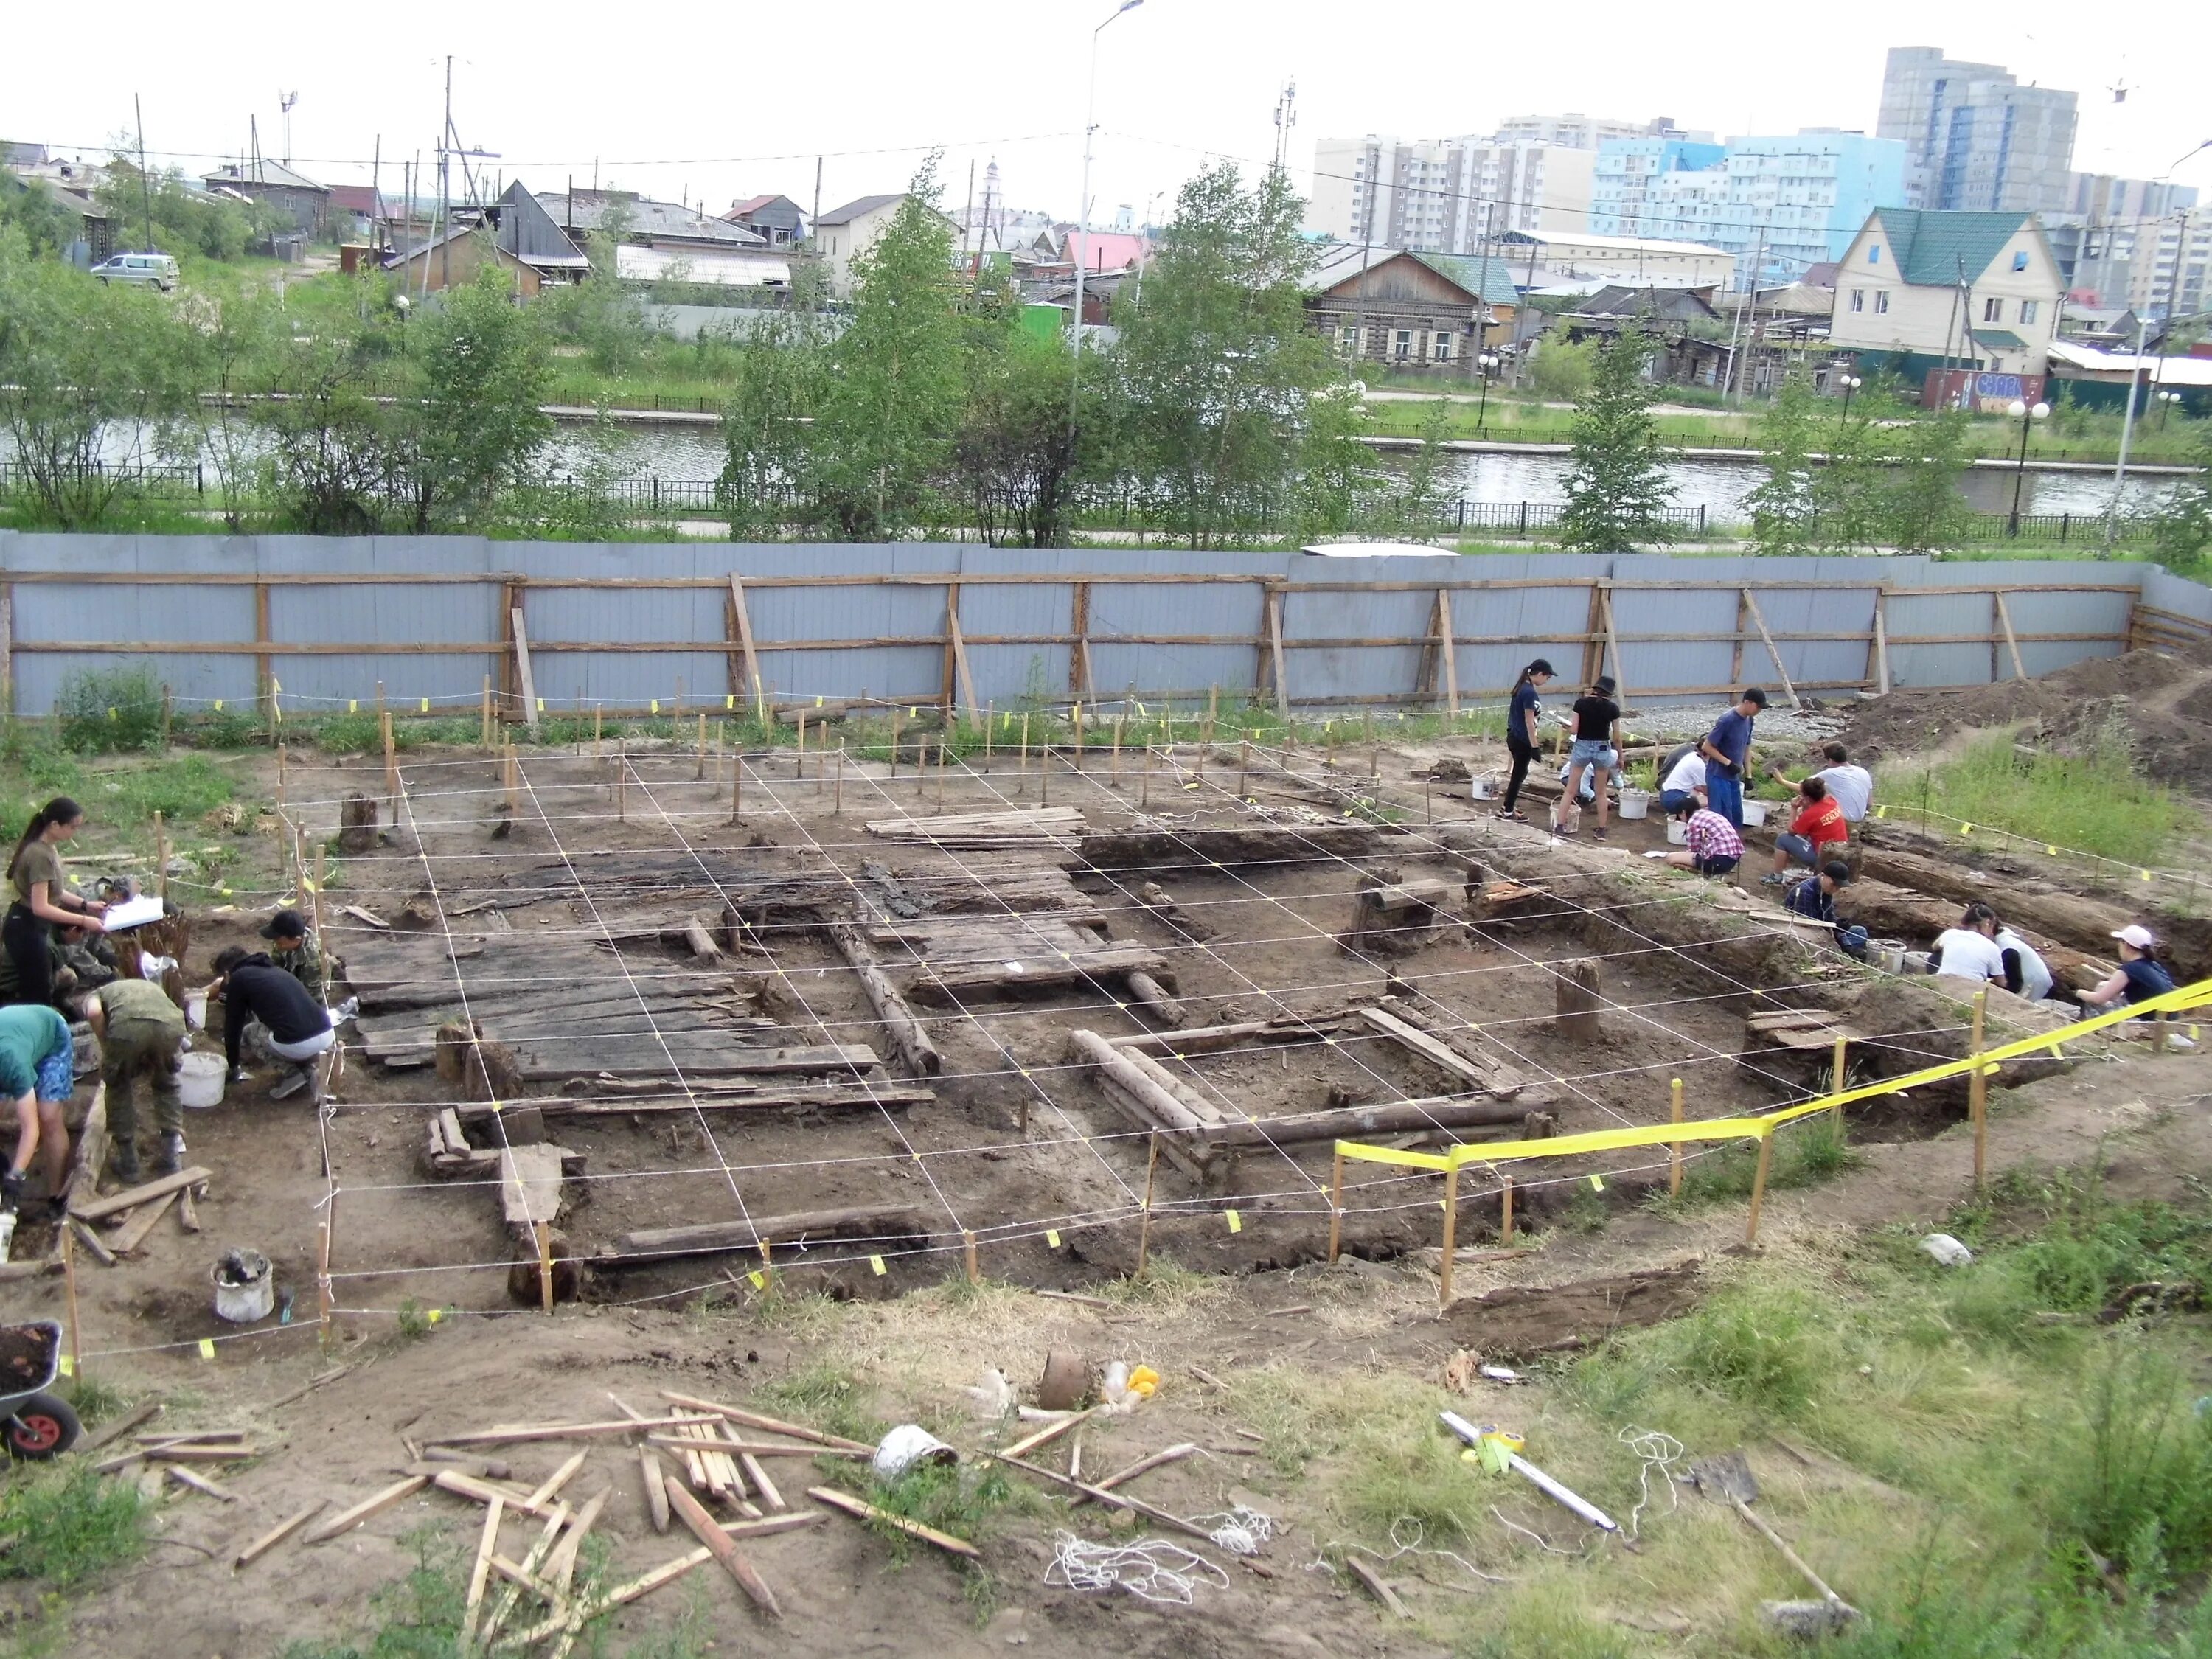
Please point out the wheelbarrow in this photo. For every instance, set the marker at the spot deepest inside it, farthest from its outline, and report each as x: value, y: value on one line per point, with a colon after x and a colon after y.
x: 37, y: 1424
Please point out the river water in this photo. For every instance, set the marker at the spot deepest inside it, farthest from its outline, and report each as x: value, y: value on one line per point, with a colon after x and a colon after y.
x: 1719, y: 487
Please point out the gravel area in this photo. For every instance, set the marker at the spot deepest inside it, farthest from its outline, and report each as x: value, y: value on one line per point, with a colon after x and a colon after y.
x: 1677, y: 722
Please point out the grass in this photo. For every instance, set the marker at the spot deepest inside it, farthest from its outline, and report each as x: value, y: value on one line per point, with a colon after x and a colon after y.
x: 2092, y: 802
x: 62, y: 1526
x: 1805, y: 1153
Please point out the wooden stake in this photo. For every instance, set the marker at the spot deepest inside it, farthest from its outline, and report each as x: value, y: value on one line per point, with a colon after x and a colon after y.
x: 1759, y: 1187
x: 867, y: 1511
x: 1977, y: 1090
x: 323, y: 1280
x: 1024, y: 763
x: 545, y: 1265
x: 898, y: 723
x: 161, y: 856
x: 597, y: 713
x: 837, y: 790
x: 621, y: 789
x: 702, y: 746
x: 1674, y: 1150
x: 1145, y: 1222
x: 480, y: 1575
x: 799, y: 765
x: 1244, y: 769
x: 1506, y: 1210
x: 975, y: 1270
x: 941, y: 763
x: 1078, y: 737
x: 688, y: 1511
x: 346, y: 1520
x: 1114, y: 766
x: 1336, y: 1208
x: 1451, y: 1236
x: 1212, y: 712
x: 990, y: 713
x: 737, y: 786
x: 391, y: 762
x: 483, y: 715
x: 275, y: 1535
x: 656, y: 1486
x: 1836, y: 1078
x: 511, y: 776
x: 68, y: 1281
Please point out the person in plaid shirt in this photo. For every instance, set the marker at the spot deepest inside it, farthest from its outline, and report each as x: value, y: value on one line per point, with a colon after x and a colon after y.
x: 1713, y: 848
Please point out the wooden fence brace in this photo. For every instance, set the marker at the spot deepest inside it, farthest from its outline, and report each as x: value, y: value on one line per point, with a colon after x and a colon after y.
x: 1275, y: 651
x: 1336, y: 1206
x: 2011, y: 640
x: 1451, y: 1236
x: 1448, y: 652
x: 1675, y: 1151
x: 1977, y: 1090
x: 1750, y: 602
x: 525, y: 682
x: 1880, y: 671
x: 1144, y: 1215
x: 1758, y: 1186
x: 741, y: 625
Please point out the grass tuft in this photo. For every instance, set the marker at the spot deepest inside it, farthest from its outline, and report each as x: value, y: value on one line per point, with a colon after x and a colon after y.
x: 61, y: 1525
x: 2095, y: 801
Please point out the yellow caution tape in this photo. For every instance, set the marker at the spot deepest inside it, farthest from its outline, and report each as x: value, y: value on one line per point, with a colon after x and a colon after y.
x: 1756, y: 1128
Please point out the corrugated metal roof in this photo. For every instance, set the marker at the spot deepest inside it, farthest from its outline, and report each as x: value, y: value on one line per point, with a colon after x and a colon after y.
x: 1935, y: 249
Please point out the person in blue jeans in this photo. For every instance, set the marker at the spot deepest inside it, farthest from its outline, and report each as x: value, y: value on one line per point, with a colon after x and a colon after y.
x: 1727, y: 749
x: 1814, y: 898
x: 1595, y: 713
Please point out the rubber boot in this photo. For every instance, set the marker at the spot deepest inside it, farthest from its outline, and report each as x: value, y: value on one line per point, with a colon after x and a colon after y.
x: 125, y: 1165
x: 171, y: 1157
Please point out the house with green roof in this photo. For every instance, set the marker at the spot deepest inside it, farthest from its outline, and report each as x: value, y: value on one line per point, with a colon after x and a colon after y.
x: 1419, y: 313
x: 1920, y: 290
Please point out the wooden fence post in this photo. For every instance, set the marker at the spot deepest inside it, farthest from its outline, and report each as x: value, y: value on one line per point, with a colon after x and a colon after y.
x: 1977, y: 1090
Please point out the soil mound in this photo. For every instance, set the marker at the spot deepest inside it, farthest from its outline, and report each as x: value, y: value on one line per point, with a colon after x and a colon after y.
x: 2158, y: 702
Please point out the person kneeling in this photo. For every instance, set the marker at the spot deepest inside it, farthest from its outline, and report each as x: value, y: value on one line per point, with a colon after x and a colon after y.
x: 1814, y: 898
x: 296, y: 1029
x: 1814, y: 834
x: 1712, y: 848
x: 37, y: 1072
x: 2138, y: 979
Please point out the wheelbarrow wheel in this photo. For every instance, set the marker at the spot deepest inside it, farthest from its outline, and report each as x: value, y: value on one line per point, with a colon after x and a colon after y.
x: 42, y: 1427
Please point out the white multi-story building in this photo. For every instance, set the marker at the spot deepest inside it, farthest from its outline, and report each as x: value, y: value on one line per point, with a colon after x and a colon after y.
x: 2168, y: 271
x: 1577, y: 131
x: 1444, y: 195
x: 1978, y: 140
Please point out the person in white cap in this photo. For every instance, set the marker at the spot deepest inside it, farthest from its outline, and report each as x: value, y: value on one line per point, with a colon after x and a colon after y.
x: 2137, y: 979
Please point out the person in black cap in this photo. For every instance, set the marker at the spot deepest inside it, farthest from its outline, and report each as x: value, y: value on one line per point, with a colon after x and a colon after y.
x: 295, y: 950
x: 1814, y: 898
x: 1595, y: 713
x: 1521, y: 714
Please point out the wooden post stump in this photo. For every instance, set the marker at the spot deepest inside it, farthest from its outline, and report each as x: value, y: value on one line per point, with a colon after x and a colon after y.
x: 1579, y: 981
x: 357, y: 823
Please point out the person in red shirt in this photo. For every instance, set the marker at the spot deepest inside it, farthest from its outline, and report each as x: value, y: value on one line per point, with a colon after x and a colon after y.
x: 1816, y: 833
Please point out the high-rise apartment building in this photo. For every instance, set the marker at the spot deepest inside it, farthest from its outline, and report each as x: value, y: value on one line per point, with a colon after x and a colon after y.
x: 2096, y: 232
x: 1442, y: 196
x: 1577, y: 131
x: 1780, y: 205
x: 1979, y: 141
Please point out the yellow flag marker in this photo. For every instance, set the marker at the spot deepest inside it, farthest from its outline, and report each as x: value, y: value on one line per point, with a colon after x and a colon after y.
x: 1597, y: 1183
x: 435, y: 1315
x: 759, y: 1283
x: 656, y: 705
x: 218, y: 705
x: 426, y: 705
x: 1236, y: 1222
x: 69, y: 1366
x: 353, y: 705
x: 207, y: 1348
x: 1051, y: 1237
x: 877, y: 1262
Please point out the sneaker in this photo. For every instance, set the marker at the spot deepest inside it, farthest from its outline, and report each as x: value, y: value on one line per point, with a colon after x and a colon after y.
x: 1774, y: 881
x: 123, y: 1164
x: 2176, y: 1039
x: 1597, y: 834
x: 171, y: 1157
x: 345, y: 1011
x: 291, y: 1085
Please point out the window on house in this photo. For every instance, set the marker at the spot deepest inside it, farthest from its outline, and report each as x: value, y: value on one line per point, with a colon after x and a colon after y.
x: 2019, y: 262
x: 1874, y: 254
x: 1405, y: 343
x: 2027, y: 310
x: 1347, y: 339
x: 1441, y: 347
x: 1858, y: 299
x: 1993, y: 311
x: 1882, y: 299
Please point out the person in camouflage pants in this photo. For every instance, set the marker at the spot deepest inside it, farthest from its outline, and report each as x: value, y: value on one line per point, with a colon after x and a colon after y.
x: 142, y: 1033
x: 295, y: 950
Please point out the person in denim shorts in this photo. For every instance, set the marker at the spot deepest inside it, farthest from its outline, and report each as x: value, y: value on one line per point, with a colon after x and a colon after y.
x: 1595, y: 713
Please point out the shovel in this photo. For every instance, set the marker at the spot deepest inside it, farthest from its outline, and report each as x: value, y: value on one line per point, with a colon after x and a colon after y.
x: 1727, y: 1479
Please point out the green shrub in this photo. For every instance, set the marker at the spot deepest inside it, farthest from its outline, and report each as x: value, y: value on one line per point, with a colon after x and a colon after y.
x: 1770, y: 1350
x: 105, y: 711
x: 2093, y: 802
x: 2132, y: 1474
x: 62, y: 1524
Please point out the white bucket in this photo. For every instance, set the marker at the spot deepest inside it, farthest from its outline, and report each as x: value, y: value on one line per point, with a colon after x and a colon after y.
x: 1635, y: 803
x: 1887, y: 954
x: 1483, y: 788
x: 199, y: 1081
x: 907, y: 1445
x: 244, y: 1303
x: 1754, y: 814
x: 195, y: 1010
x: 1678, y: 833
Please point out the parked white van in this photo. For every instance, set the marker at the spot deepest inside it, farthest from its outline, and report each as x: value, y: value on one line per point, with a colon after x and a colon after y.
x: 156, y: 269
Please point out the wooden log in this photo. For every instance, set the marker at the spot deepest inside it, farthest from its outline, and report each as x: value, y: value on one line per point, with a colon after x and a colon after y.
x: 132, y: 1233
x: 1149, y: 991
x: 1375, y: 1586
x: 656, y: 1487
x: 867, y: 1511
x: 1199, y: 849
x: 347, y: 1519
x: 91, y: 1241
x: 357, y: 823
x: 515, y: 1434
x: 700, y: 941
x: 703, y: 1526
x: 1137, y: 1078
x: 902, y: 1228
x: 753, y: 1419
x: 907, y: 1035
x: 1211, y: 1039
x: 1578, y: 982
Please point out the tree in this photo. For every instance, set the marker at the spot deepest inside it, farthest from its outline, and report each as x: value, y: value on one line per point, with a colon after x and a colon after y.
x: 2181, y: 527
x: 1339, y: 484
x: 1785, y: 507
x: 185, y: 220
x: 1560, y: 370
x: 231, y: 340
x: 339, y: 458
x: 1215, y: 371
x: 46, y: 226
x: 90, y: 377
x: 1921, y: 507
x: 1014, y: 459
x: 777, y: 376
x: 1616, y: 484
x: 1423, y: 500
x: 481, y: 368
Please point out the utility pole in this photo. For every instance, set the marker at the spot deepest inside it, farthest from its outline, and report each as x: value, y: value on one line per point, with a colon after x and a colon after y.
x: 444, y: 184
x: 811, y: 234
x: 1285, y: 120
x: 145, y: 186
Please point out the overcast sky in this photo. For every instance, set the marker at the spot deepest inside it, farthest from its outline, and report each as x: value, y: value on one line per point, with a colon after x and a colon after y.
x: 716, y: 101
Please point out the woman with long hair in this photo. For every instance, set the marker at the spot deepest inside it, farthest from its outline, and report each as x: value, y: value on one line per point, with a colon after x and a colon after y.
x: 1521, y: 714
x: 39, y: 887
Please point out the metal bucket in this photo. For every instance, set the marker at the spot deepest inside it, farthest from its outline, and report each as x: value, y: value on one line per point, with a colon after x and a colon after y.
x: 1887, y: 954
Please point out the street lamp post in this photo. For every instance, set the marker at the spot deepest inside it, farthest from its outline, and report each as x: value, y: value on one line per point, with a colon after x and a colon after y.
x: 1487, y: 362
x: 1850, y: 383
x: 2165, y: 401
x: 2027, y: 415
x: 1082, y: 207
x: 2134, y: 375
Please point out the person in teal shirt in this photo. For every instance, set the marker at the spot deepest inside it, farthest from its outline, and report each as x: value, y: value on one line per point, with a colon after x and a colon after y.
x: 38, y: 1072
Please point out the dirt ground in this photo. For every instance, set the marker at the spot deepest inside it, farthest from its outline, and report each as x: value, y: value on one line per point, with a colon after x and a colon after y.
x: 1056, y: 1206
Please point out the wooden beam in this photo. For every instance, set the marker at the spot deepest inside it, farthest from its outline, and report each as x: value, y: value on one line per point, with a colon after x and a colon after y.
x: 1426, y: 665
x: 1877, y: 669
x: 264, y: 672
x: 1078, y: 658
x: 1448, y: 652
x: 2011, y: 640
x: 1593, y: 638
x: 1735, y: 655
x: 1275, y: 651
x: 7, y: 647
x: 956, y: 657
x: 527, y: 680
x: 754, y: 686
x: 1751, y: 600
x: 1612, y: 644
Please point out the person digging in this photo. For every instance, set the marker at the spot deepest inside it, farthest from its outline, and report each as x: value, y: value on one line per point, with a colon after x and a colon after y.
x: 266, y: 1006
